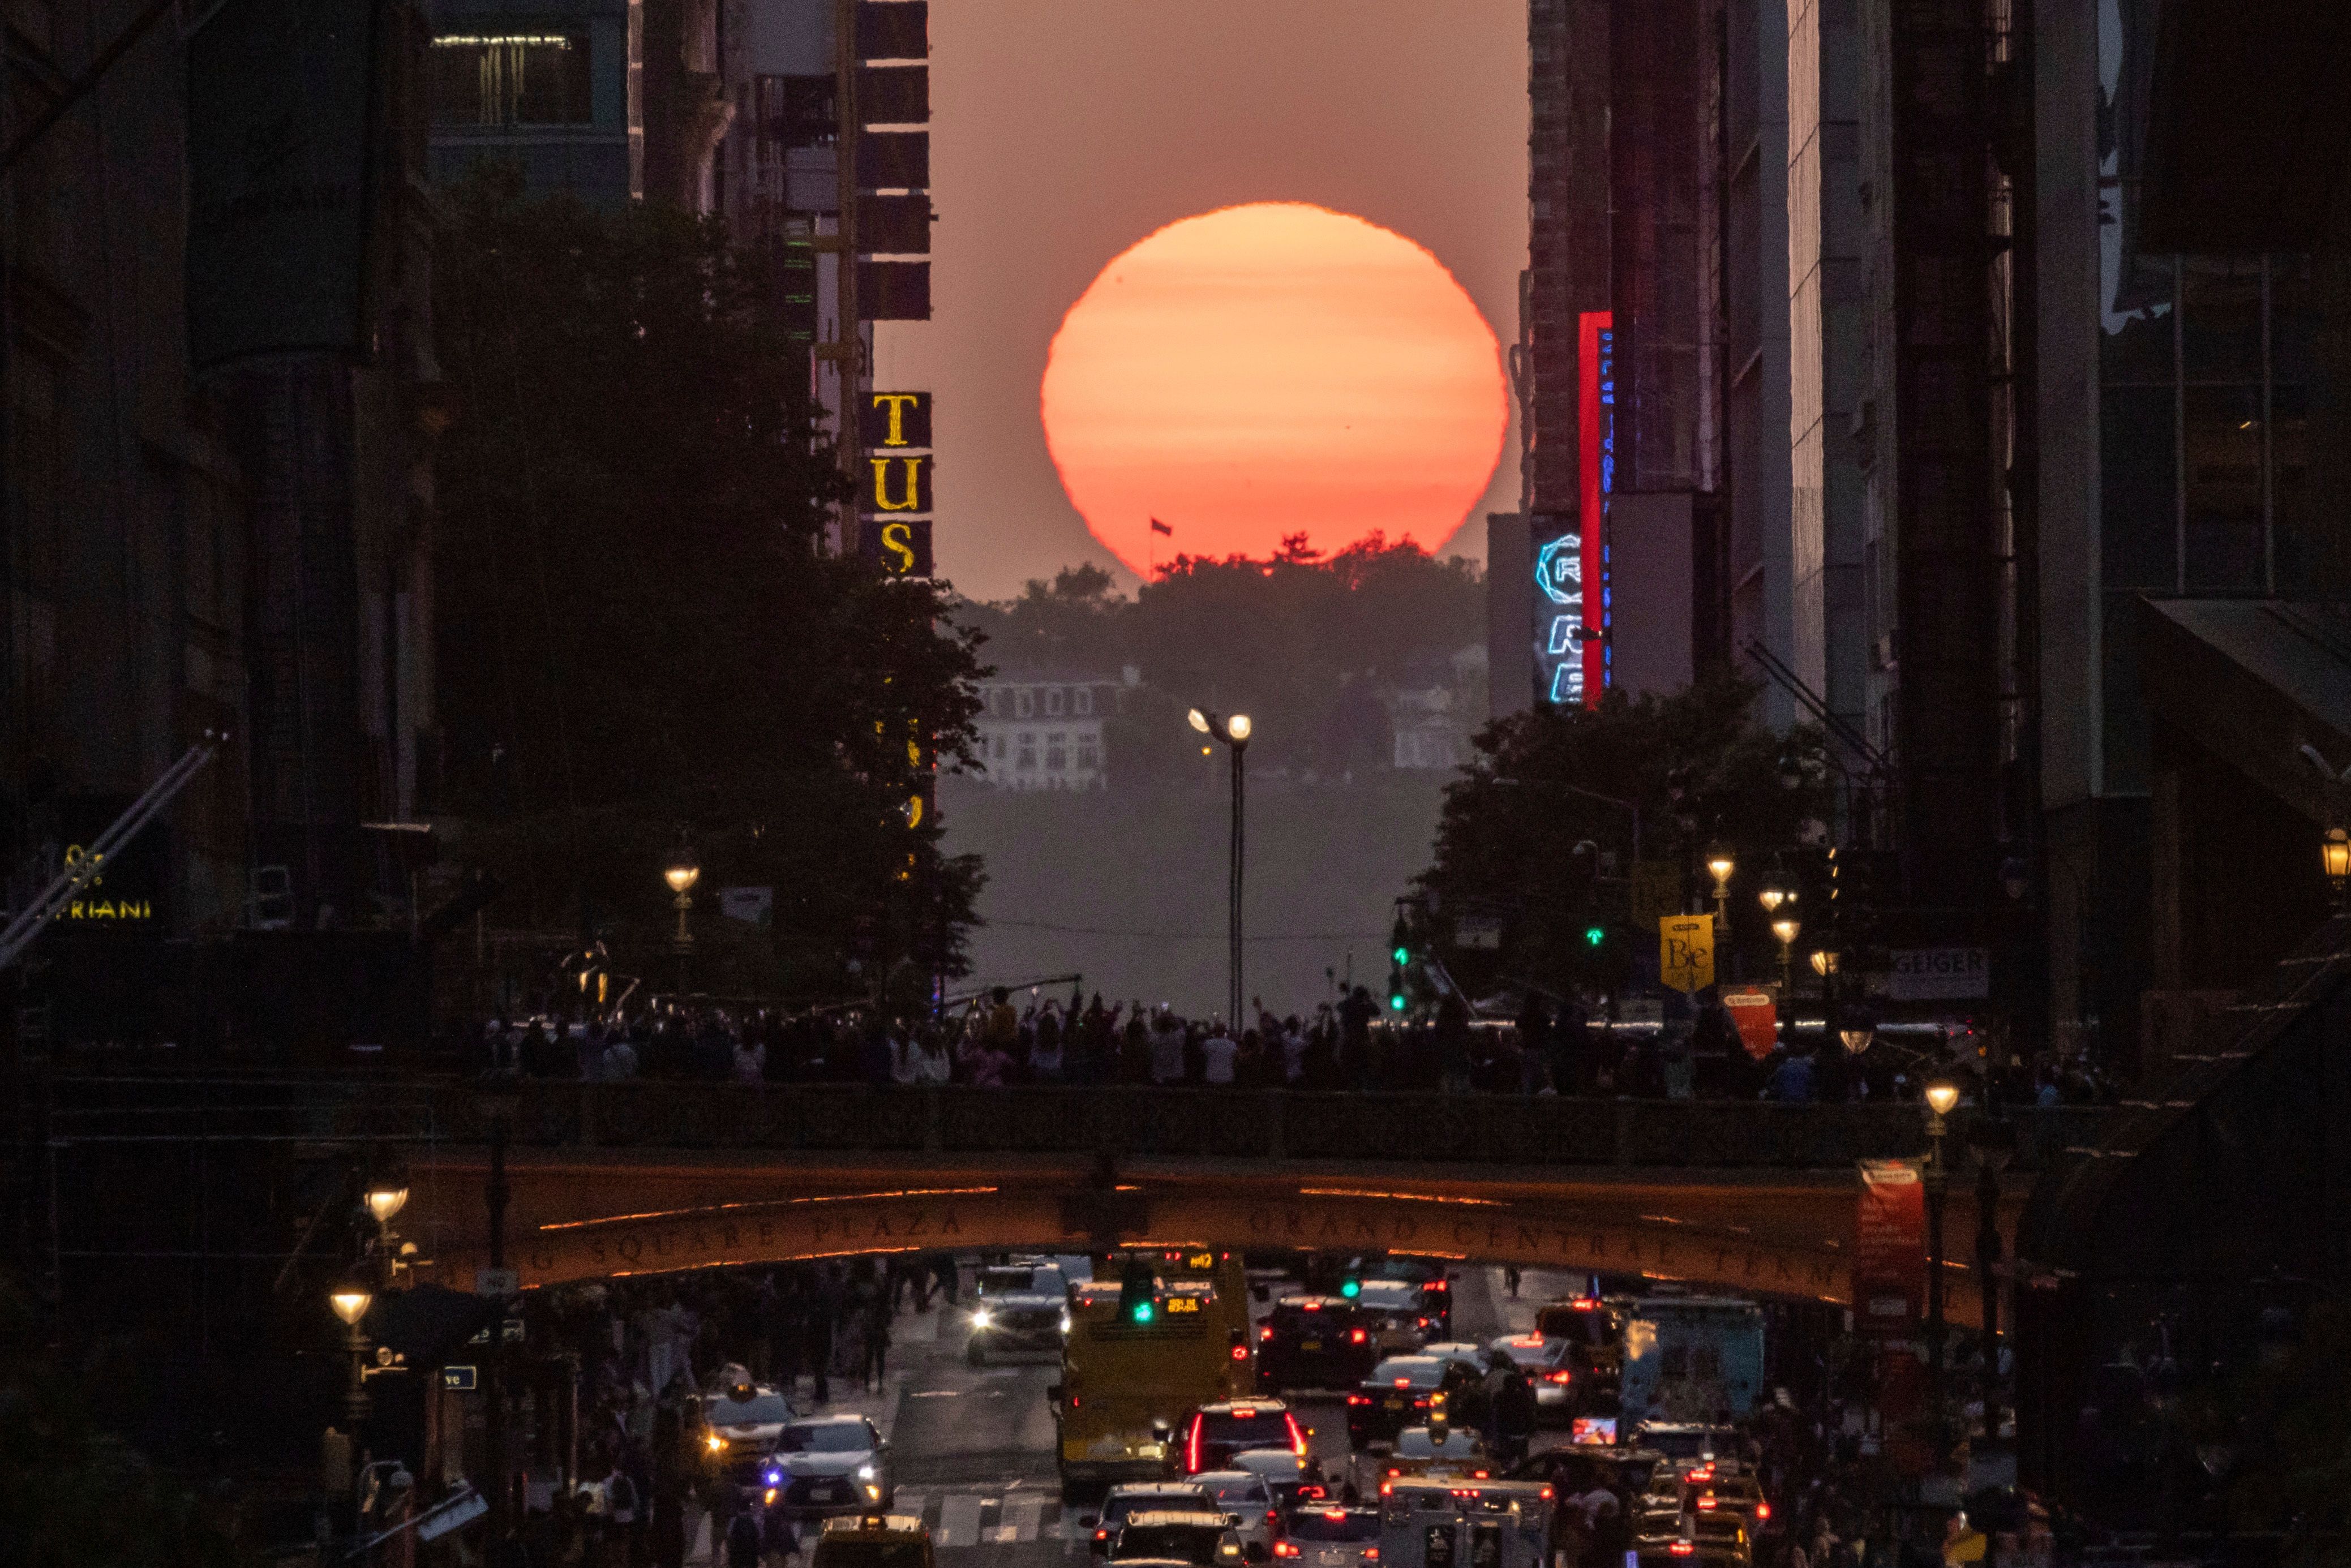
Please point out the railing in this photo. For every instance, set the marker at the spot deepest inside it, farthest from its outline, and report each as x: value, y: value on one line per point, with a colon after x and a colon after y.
x: 1485, y: 1130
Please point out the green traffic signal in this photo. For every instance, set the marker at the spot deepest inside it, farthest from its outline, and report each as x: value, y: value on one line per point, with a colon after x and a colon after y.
x: 1351, y: 1289
x: 1402, y: 955
x: 1593, y: 935
x: 1142, y: 1312
x: 1395, y: 1002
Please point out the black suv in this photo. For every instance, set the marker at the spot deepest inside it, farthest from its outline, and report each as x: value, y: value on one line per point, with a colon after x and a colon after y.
x: 1405, y: 1391
x: 1313, y: 1342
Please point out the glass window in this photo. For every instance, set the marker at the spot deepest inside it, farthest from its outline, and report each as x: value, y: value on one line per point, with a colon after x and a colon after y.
x: 1081, y: 701
x: 2224, y: 486
x: 1024, y: 702
x: 484, y: 79
x: 1053, y: 701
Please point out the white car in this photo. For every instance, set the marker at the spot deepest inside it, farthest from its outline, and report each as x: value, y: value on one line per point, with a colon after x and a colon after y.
x: 829, y: 1464
x: 1248, y: 1504
x: 1291, y: 1479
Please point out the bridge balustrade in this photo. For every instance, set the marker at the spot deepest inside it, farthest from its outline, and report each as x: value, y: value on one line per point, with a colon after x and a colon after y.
x: 1432, y: 1129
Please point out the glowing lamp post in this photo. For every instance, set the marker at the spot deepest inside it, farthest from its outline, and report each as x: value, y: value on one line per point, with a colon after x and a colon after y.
x: 1941, y: 1096
x: 1235, y: 733
x: 1719, y: 866
x: 1787, y: 928
x: 349, y: 1301
x: 2335, y: 848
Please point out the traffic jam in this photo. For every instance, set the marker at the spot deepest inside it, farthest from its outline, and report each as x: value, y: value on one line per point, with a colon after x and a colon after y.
x: 1318, y: 1411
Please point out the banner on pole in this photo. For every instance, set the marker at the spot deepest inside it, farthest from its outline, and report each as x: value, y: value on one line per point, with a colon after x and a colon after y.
x: 1756, y: 1015
x: 1889, y: 1250
x: 1685, y: 951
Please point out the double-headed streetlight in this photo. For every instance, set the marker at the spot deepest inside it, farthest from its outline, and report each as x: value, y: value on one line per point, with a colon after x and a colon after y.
x: 1235, y: 733
x: 1787, y: 927
x: 1719, y: 866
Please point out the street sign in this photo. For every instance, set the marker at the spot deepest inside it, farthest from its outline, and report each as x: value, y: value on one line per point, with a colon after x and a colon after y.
x: 1756, y: 1015
x: 496, y: 1281
x: 459, y: 1378
x: 1685, y: 951
x: 1936, y: 974
x: 1483, y: 931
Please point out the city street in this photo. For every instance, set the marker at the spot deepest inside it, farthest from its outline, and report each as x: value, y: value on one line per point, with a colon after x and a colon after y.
x: 973, y: 1445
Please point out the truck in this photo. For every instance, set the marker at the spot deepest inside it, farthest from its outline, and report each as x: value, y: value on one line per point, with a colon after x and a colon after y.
x: 1691, y: 1359
x: 1130, y: 1382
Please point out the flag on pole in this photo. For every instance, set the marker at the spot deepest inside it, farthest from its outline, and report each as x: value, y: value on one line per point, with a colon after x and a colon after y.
x: 1159, y: 527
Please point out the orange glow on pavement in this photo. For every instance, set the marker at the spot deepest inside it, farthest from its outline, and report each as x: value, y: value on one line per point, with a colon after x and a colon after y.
x: 1269, y: 369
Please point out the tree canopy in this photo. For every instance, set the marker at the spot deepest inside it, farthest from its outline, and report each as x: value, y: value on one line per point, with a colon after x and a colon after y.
x: 639, y: 631
x: 1695, y: 763
x: 1302, y: 642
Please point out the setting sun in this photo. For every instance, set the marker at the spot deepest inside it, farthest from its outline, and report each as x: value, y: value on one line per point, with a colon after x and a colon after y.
x: 1270, y: 370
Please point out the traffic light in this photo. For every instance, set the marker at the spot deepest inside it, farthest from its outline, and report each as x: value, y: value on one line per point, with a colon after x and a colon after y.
x: 1399, y: 957
x: 1594, y: 936
x: 1138, y: 1293
x: 1351, y: 1286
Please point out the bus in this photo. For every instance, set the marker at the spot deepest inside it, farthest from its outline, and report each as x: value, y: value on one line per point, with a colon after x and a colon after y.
x: 1131, y: 1380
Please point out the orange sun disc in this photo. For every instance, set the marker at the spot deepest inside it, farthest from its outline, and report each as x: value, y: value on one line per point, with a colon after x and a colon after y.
x: 1270, y: 370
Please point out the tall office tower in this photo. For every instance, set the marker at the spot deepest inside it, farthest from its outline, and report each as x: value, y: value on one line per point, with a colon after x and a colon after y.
x: 1618, y: 366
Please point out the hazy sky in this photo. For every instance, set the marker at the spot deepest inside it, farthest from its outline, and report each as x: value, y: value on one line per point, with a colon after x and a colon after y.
x: 1065, y: 131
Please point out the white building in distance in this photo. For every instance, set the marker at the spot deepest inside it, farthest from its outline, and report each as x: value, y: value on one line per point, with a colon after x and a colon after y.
x: 1045, y: 732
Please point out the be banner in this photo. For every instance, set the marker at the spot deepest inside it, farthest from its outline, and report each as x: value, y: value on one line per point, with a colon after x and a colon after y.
x: 1889, y: 1250
x: 1756, y: 1015
x: 1685, y: 951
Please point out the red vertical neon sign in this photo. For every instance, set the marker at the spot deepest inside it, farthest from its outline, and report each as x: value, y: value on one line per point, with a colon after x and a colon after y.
x: 1593, y: 440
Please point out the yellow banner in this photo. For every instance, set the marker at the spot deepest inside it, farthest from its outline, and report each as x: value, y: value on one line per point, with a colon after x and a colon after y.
x: 1685, y: 951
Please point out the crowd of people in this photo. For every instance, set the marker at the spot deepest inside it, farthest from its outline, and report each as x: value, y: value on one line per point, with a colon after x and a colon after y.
x: 1568, y: 1047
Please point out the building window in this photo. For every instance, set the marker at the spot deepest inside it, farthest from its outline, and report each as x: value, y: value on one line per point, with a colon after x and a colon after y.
x: 1024, y: 702
x: 491, y: 80
x: 1057, y: 752
x: 1081, y: 701
x: 1089, y: 756
x: 1053, y: 701
x: 998, y: 749
x: 1028, y: 751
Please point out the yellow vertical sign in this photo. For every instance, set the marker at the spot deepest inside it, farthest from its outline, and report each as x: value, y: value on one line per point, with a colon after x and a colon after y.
x: 1685, y: 951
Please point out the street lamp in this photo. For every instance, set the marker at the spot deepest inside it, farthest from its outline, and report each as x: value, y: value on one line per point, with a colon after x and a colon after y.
x: 1235, y: 733
x: 1941, y: 1096
x: 1786, y: 929
x: 1719, y: 866
x: 1772, y: 898
x: 386, y: 1197
x: 1824, y: 962
x: 2336, y: 850
x: 1856, y: 1030
x: 681, y: 871
x: 350, y: 1299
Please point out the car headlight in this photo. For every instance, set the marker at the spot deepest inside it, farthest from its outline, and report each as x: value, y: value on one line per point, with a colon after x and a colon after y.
x: 981, y: 1317
x: 1065, y: 1323
x: 717, y: 1444
x: 865, y: 1473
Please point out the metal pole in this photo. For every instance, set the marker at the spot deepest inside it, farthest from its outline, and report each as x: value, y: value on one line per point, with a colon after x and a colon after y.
x: 501, y: 1487
x: 1935, y: 1180
x: 1238, y: 751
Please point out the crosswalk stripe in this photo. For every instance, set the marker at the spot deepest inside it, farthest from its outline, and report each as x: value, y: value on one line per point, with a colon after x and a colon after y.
x: 910, y: 1502
x: 958, y: 1519
x: 1021, y: 1514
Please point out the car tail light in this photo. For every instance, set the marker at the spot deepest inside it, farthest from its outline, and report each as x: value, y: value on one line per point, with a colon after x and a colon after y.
x: 1708, y: 1502
x: 1297, y: 1437
x: 1313, y: 1306
x: 1192, y: 1447
x: 1266, y: 1333
x: 1371, y: 1553
x: 1440, y: 1285
x: 1546, y: 1494
x: 1562, y: 1375
x: 1355, y: 1336
x: 1763, y: 1511
x: 1387, y: 1489
x: 1102, y: 1535
x: 1403, y: 1383
x: 1421, y: 1403
x: 1359, y: 1399
x: 1284, y: 1548
x: 1312, y: 1491
x: 1241, y: 1352
x: 1681, y: 1549
x: 1479, y: 1475
x: 1271, y: 1516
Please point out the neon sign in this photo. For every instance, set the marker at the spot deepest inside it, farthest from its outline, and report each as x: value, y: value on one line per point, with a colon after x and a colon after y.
x: 1596, y: 365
